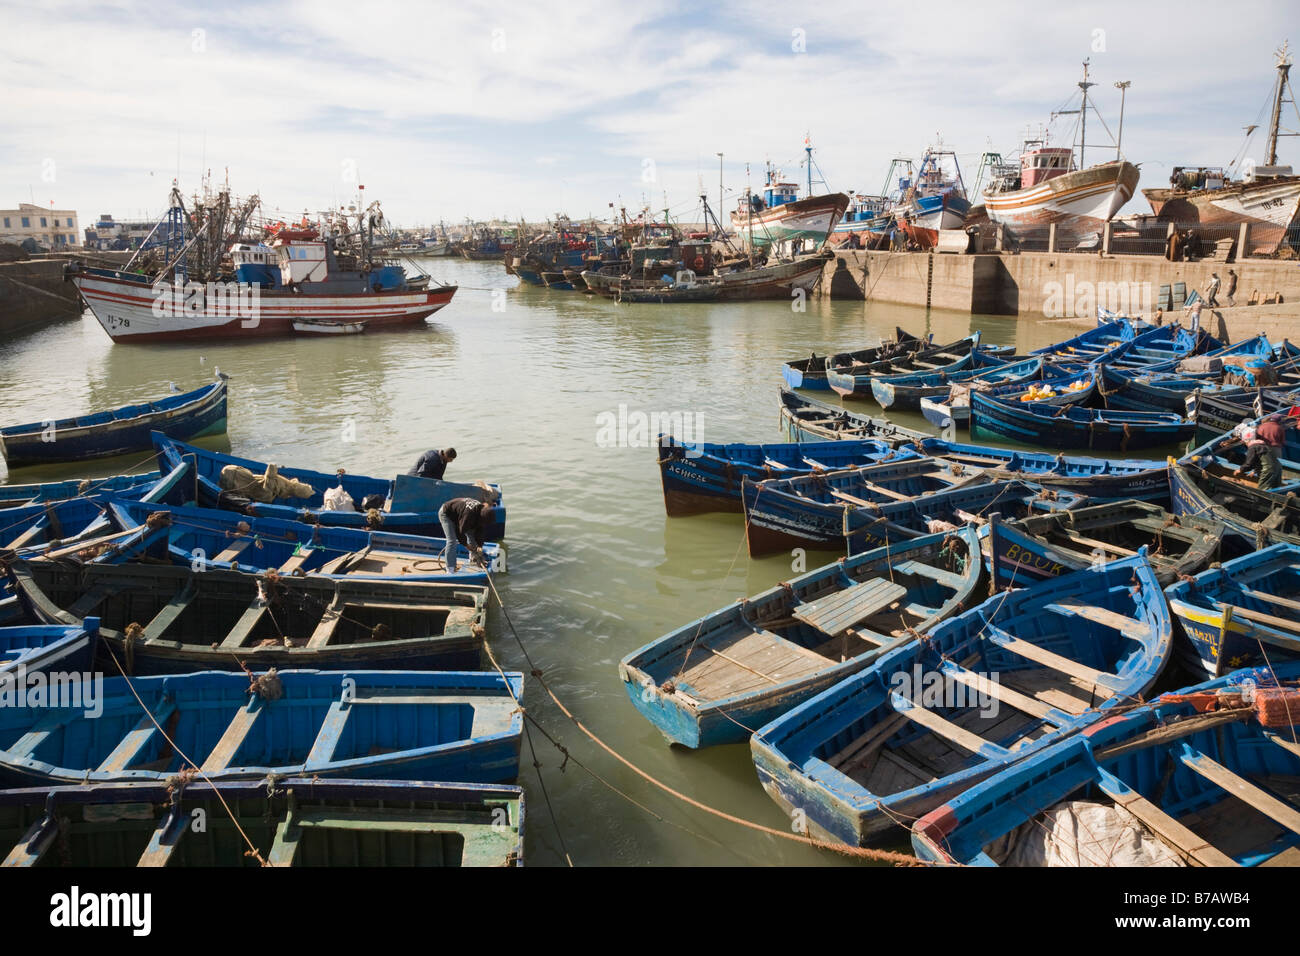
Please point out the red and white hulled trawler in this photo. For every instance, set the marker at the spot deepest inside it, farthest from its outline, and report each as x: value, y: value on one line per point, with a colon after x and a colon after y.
x: 213, y: 283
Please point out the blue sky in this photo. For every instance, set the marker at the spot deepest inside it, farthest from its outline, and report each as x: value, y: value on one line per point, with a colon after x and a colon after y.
x: 482, y: 109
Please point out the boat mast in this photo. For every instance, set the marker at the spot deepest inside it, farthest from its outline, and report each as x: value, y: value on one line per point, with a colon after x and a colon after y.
x: 1283, y: 82
x: 1083, y: 116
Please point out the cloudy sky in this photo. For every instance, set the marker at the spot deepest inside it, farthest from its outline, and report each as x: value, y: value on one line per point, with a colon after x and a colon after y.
x: 503, y: 108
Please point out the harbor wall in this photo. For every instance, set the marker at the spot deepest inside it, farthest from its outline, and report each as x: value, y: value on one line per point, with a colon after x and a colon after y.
x: 1065, y: 286
x: 33, y: 293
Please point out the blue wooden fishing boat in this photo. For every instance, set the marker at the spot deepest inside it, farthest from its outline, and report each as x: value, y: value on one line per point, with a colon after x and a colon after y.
x: 1032, y: 549
x: 1100, y: 479
x: 985, y: 689
x: 1209, y: 773
x: 808, y: 420
x: 355, y: 724
x: 68, y: 520
x: 117, y: 432
x: 1059, y: 385
x: 716, y: 679
x: 1090, y: 344
x: 223, y: 539
x: 810, y: 508
x: 1221, y: 411
x: 1223, y: 454
x: 161, y: 619
x: 906, y: 391
x: 1242, y: 613
x: 1232, y: 356
x: 1143, y: 392
x: 12, y: 495
x: 810, y: 373
x: 781, y: 515
x: 1071, y: 426
x: 854, y: 381
x: 295, y: 821
x: 1163, y: 347
x: 701, y: 477
x: 42, y: 648
x: 1254, y: 518
x: 406, y: 504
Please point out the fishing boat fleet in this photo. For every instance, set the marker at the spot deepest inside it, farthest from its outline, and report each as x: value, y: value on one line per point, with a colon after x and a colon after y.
x: 300, y: 654
x: 1019, y: 657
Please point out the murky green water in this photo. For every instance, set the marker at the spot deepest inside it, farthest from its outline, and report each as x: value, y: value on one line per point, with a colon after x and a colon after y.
x: 596, y: 570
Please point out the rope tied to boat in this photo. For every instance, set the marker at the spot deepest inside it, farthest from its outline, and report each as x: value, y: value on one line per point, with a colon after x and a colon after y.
x: 158, y: 519
x: 1123, y: 445
x: 134, y: 632
x: 267, y: 686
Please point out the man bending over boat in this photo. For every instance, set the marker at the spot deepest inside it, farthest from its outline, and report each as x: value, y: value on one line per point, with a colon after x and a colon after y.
x: 1266, y: 448
x: 433, y: 463
x: 464, y: 520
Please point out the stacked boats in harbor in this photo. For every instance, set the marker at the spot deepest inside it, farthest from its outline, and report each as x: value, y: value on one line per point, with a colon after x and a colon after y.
x: 294, y: 653
x: 1067, y: 639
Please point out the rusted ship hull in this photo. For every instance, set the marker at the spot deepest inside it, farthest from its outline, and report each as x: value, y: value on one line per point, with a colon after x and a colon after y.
x: 1270, y: 208
x: 807, y: 219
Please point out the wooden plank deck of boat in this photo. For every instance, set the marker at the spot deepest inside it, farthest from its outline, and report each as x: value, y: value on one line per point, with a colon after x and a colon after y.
x: 744, y: 660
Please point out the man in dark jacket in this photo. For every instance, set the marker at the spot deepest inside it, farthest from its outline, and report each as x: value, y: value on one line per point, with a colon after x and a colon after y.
x: 464, y: 521
x: 433, y: 463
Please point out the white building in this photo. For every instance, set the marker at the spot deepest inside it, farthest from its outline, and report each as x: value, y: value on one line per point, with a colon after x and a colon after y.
x: 50, y: 228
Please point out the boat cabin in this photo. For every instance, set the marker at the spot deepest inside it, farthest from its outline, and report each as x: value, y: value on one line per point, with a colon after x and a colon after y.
x: 301, y: 261
x: 1043, y: 163
x: 255, y: 263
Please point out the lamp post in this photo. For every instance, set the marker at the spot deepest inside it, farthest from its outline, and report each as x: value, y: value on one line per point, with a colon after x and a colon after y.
x: 1122, y: 86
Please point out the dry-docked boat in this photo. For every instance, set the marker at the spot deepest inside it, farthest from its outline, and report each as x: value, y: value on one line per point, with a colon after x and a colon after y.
x: 778, y: 279
x: 1047, y: 187
x: 1267, y: 198
x: 779, y: 216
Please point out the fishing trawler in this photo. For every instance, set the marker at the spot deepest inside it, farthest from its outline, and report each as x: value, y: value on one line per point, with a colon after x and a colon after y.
x: 869, y: 220
x: 1046, y: 186
x: 936, y: 201
x: 1266, y: 197
x: 778, y: 216
x: 199, y: 284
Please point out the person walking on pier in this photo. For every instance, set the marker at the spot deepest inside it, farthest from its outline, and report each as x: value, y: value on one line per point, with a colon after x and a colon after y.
x: 433, y: 463
x: 1230, y: 293
x: 1212, y: 291
x: 464, y: 521
x: 1267, y: 450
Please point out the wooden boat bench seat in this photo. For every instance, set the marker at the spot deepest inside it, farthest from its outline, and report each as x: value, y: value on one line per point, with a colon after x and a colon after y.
x: 1277, y: 810
x: 922, y: 570
x: 249, y: 620
x: 942, y: 726
x: 221, y: 755
x: 887, y: 492
x: 296, y: 561
x: 1192, y: 847
x: 836, y: 613
x: 1100, y: 615
x: 851, y: 499
x: 1049, y: 659
x: 168, y: 615
x: 234, y: 551
x: 132, y: 745
x: 774, y: 464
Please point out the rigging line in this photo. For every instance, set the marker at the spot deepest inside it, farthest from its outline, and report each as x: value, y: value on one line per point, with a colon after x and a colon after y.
x: 253, y: 851
x: 532, y: 750
x: 844, y: 849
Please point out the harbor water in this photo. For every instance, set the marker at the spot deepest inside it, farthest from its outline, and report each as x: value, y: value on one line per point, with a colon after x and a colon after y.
x: 549, y: 394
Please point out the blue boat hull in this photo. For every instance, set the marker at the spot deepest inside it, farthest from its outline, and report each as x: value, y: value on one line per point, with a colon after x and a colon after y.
x: 205, y: 414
